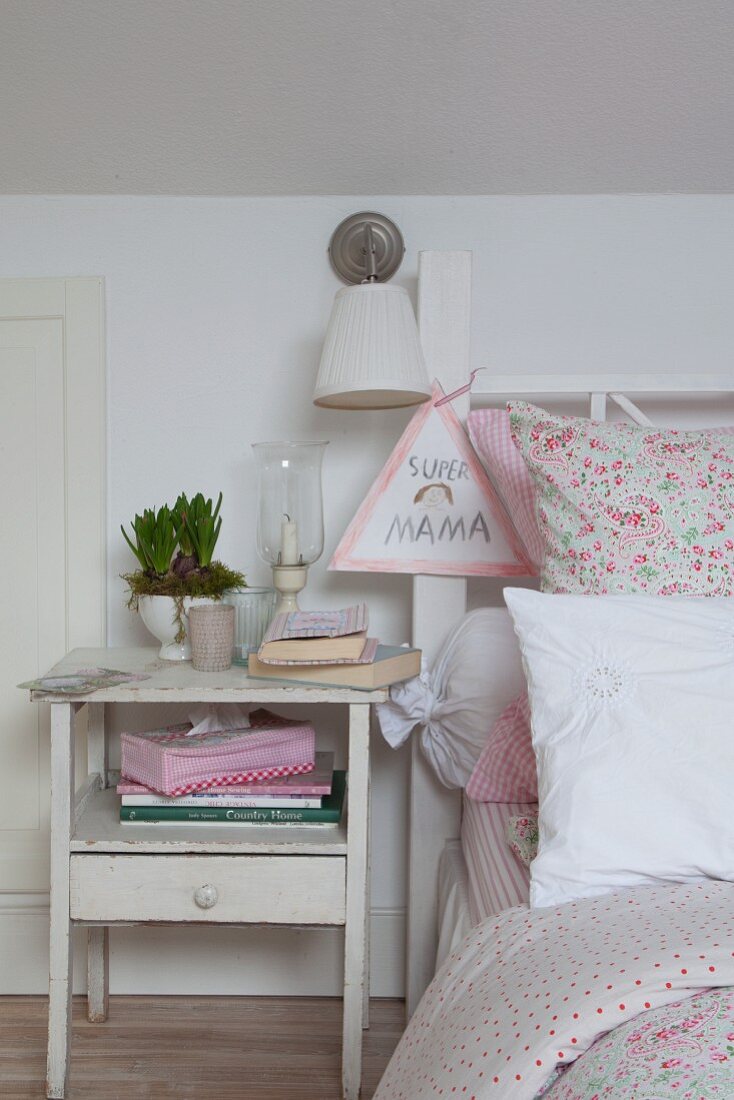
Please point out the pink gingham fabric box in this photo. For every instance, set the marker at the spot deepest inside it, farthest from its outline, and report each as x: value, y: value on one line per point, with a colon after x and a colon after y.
x: 169, y: 761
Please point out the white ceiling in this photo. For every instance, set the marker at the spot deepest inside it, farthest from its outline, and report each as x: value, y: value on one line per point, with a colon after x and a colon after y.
x: 273, y: 97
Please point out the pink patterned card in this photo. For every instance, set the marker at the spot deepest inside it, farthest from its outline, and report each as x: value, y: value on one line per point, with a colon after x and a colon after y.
x: 317, y: 624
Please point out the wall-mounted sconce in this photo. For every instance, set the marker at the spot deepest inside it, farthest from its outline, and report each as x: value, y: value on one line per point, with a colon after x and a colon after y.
x: 372, y: 358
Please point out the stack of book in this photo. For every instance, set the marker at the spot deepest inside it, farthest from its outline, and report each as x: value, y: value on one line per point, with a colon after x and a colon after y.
x: 330, y: 648
x: 266, y: 774
x: 315, y: 798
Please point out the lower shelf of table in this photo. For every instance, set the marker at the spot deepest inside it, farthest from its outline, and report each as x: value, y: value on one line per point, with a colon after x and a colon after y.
x: 99, y: 829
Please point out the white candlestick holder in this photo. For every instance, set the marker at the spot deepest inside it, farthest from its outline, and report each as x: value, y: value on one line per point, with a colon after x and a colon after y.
x: 289, y: 580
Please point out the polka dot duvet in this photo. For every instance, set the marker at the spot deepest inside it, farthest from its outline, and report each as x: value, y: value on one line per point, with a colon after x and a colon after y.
x: 619, y: 977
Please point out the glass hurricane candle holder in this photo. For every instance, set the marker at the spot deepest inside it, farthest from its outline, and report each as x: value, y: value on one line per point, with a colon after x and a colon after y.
x: 290, y: 513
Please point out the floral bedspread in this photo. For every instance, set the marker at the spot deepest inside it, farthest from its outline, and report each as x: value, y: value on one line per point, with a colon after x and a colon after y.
x: 531, y: 990
x: 683, y: 1050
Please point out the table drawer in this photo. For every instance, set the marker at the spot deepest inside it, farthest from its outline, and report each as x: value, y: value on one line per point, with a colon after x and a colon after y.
x: 215, y: 889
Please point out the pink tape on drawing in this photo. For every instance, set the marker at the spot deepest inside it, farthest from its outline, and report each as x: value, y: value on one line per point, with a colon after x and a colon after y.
x: 457, y: 393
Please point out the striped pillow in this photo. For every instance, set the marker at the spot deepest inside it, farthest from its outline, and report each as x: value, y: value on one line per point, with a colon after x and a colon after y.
x: 497, y: 879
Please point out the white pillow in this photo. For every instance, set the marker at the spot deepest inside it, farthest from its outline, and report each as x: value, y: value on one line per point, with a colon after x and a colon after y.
x: 632, y: 701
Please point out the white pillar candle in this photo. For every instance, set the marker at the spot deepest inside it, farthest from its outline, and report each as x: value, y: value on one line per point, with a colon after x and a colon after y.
x: 288, y: 542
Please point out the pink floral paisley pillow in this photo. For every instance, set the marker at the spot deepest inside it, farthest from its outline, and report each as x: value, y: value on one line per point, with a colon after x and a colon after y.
x: 521, y: 833
x: 624, y: 508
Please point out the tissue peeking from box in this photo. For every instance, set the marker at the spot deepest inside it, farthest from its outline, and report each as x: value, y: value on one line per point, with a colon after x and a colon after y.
x: 207, y: 718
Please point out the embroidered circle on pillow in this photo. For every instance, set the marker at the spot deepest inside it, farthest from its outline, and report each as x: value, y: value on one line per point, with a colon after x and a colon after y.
x: 624, y: 508
x: 604, y: 682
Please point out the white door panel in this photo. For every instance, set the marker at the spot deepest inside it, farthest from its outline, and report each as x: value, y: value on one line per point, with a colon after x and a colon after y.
x: 43, y: 526
x: 33, y: 556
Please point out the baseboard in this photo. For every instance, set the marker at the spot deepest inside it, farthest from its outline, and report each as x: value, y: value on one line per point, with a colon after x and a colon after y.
x: 24, y: 945
x: 190, y: 961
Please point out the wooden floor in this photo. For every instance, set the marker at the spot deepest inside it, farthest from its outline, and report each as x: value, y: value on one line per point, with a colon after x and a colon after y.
x: 211, y: 1048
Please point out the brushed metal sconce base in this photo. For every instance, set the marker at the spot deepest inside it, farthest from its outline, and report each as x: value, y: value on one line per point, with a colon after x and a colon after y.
x: 349, y: 248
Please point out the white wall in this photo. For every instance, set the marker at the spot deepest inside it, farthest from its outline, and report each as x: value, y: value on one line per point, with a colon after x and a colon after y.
x: 216, y: 312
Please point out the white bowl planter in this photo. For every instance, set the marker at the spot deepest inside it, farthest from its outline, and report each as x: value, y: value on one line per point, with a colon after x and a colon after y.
x: 159, y: 615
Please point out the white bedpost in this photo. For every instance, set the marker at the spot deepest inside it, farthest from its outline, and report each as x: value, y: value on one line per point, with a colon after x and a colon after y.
x: 444, y: 316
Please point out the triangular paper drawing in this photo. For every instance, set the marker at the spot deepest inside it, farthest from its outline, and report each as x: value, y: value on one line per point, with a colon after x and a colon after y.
x: 433, y: 509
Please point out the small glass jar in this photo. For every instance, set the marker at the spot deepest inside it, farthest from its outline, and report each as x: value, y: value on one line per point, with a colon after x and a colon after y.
x: 253, y: 610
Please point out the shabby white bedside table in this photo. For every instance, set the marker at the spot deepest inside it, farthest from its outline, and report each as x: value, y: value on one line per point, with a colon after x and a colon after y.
x: 106, y: 873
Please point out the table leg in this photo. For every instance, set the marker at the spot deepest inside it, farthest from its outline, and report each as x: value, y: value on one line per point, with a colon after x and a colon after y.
x: 354, y: 938
x: 62, y: 791
x: 97, y: 938
x: 367, y: 921
x: 97, y: 971
x: 96, y: 741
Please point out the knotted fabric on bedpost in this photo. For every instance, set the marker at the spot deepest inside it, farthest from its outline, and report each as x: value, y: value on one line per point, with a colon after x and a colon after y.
x: 444, y: 318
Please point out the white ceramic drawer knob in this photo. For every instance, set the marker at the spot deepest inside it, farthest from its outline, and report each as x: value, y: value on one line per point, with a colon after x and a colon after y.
x: 206, y: 896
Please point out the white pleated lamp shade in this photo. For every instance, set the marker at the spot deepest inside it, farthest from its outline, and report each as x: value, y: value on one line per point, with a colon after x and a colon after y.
x: 372, y: 357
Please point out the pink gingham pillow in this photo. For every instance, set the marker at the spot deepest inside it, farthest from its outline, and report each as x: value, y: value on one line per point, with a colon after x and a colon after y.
x: 506, y: 772
x: 489, y: 431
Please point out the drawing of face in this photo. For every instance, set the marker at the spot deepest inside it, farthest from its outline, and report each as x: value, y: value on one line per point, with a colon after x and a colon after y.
x: 434, y: 496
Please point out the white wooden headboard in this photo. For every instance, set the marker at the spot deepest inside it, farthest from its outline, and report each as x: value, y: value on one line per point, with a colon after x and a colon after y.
x: 444, y: 317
